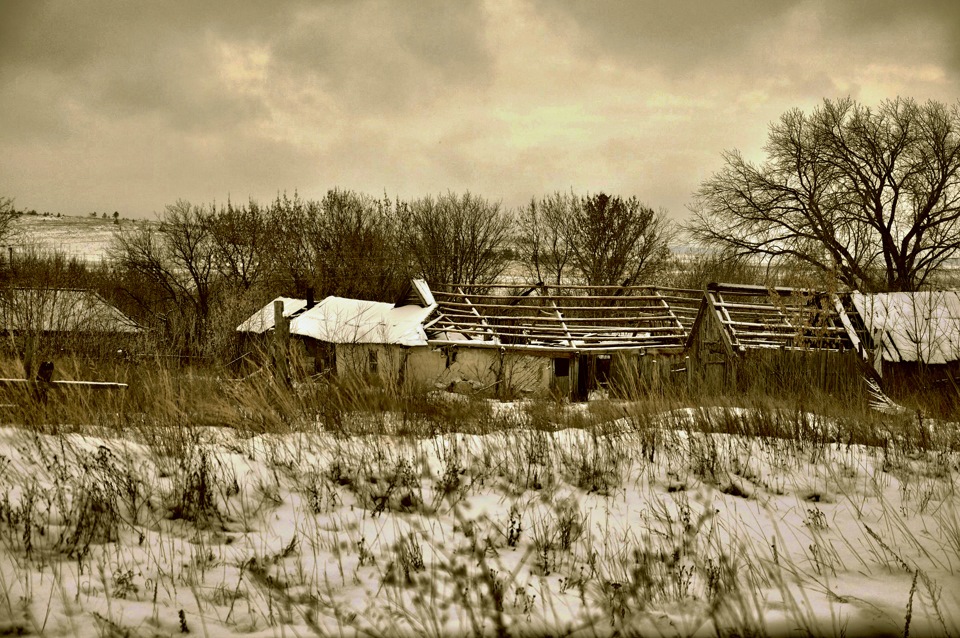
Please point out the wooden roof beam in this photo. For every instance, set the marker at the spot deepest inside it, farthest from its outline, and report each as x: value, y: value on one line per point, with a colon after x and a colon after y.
x: 517, y: 298
x: 493, y: 335
x: 848, y: 326
x: 572, y: 287
x: 562, y: 351
x: 728, y: 336
x: 559, y: 335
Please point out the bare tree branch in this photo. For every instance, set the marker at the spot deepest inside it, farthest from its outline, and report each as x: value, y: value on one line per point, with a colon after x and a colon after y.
x: 869, y: 196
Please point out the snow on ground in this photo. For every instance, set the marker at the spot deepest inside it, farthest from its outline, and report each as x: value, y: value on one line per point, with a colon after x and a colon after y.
x: 636, y: 530
x: 84, y: 238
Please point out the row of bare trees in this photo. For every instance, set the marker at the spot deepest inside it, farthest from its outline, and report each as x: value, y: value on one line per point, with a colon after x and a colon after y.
x: 204, y: 268
x: 867, y: 198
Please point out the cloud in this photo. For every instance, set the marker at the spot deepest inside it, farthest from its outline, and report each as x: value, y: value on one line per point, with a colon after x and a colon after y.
x: 166, y: 59
x: 383, y: 57
x: 757, y: 42
x: 676, y: 37
x: 143, y: 103
x: 915, y: 23
x: 220, y: 90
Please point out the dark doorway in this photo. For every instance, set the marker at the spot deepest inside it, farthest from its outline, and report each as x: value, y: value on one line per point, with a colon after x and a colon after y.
x: 585, y: 377
x: 561, y: 377
x: 325, y: 358
x: 603, y: 370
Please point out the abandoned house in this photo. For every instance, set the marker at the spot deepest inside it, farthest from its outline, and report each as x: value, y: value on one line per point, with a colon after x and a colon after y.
x: 357, y: 338
x: 915, y: 341
x: 570, y: 341
x: 59, y: 319
x: 564, y: 340
x: 773, y: 339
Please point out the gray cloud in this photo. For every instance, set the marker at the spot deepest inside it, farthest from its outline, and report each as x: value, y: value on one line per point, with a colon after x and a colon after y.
x: 689, y: 38
x: 675, y: 36
x: 111, y: 104
x: 140, y: 58
x: 917, y: 22
x: 143, y: 60
x: 381, y: 56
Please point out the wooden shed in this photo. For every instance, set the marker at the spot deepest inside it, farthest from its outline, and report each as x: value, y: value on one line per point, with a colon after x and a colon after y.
x: 65, y: 320
x: 915, y: 342
x: 566, y: 340
x: 770, y: 340
x: 359, y: 338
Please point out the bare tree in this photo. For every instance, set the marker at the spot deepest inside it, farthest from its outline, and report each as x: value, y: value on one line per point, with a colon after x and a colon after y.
x: 7, y: 216
x: 291, y: 256
x: 597, y: 239
x: 240, y: 235
x: 614, y: 239
x: 176, y: 259
x: 356, y: 244
x: 459, y: 239
x: 347, y: 244
x: 542, y: 242
x: 870, y: 197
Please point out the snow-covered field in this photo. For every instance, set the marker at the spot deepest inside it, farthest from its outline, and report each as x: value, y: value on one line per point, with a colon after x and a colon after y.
x: 83, y: 238
x: 648, y: 526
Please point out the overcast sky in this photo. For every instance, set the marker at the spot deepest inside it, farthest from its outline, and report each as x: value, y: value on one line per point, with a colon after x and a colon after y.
x: 129, y: 106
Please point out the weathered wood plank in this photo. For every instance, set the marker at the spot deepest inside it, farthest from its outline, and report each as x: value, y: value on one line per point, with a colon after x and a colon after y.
x: 91, y: 385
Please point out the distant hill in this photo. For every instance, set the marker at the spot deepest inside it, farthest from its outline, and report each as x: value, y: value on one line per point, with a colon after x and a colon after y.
x: 85, y: 238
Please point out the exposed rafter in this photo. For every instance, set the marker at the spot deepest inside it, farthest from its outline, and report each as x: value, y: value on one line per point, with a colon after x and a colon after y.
x: 569, y: 319
x: 758, y: 317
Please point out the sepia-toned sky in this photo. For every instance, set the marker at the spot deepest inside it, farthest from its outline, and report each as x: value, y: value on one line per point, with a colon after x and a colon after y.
x: 117, y: 105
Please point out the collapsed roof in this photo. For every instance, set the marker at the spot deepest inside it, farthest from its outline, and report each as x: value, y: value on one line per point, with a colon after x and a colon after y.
x: 603, y: 319
x: 554, y: 319
x: 759, y: 317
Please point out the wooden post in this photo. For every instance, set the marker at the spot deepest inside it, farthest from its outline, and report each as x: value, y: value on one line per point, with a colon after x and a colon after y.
x: 45, y: 373
x: 823, y: 371
x: 281, y: 342
x: 501, y: 355
x: 43, y: 379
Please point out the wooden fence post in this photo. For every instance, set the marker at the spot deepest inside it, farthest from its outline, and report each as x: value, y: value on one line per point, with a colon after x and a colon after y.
x: 281, y: 342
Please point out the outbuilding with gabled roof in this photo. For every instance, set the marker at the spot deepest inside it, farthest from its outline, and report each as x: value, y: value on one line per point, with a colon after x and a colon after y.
x: 769, y: 339
x: 570, y: 340
x: 916, y: 343
x: 65, y: 319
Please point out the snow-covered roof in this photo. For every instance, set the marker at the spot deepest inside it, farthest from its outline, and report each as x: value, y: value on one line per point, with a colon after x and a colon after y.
x: 913, y: 326
x: 340, y: 320
x: 61, y: 310
x: 264, y: 320
x: 417, y: 293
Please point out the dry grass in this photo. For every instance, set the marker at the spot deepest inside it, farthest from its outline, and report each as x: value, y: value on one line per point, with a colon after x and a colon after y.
x: 192, y: 503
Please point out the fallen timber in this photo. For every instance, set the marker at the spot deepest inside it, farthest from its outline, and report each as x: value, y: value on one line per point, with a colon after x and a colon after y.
x: 43, y: 382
